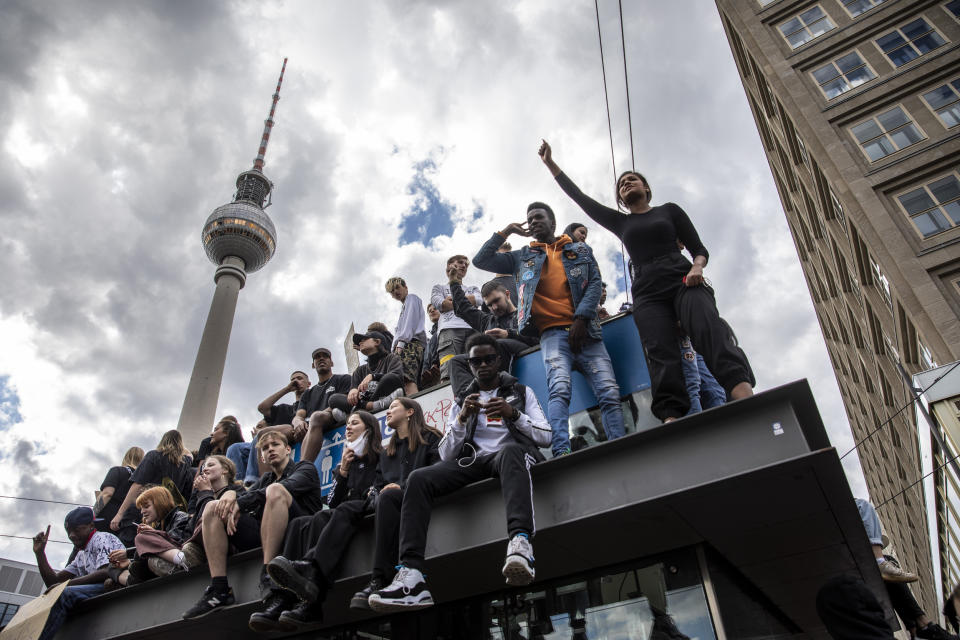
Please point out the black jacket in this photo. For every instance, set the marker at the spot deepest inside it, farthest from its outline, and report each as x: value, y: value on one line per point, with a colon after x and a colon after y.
x: 516, y: 395
x: 379, y: 364
x: 396, y: 468
x: 357, y: 485
x: 299, y: 478
x: 484, y: 320
x: 178, y: 526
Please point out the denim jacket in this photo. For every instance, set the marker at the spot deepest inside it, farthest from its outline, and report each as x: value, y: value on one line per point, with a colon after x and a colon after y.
x: 583, y: 276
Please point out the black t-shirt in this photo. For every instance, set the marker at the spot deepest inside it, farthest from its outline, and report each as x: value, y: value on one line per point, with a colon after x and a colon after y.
x: 155, y: 466
x: 120, y: 478
x: 646, y: 236
x: 317, y: 397
x: 281, y: 414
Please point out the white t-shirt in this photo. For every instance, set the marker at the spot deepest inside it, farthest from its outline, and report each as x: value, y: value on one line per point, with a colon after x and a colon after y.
x: 449, y: 319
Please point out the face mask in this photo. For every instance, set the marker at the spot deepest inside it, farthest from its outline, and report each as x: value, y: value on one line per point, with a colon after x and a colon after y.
x: 359, y: 446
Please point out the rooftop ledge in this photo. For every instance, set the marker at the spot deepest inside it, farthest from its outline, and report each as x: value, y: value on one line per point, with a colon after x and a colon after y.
x: 756, y: 480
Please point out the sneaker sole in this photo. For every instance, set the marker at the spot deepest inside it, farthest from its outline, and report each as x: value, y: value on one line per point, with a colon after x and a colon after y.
x: 360, y: 604
x: 899, y: 579
x: 407, y: 603
x: 287, y: 578
x: 220, y: 607
x: 263, y: 624
x: 517, y: 571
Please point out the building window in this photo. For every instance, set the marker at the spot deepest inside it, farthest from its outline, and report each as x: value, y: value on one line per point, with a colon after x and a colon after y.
x: 945, y: 102
x: 910, y: 41
x: 886, y: 133
x: 881, y: 282
x: 803, y: 28
x: 856, y: 7
x: 935, y: 206
x: 7, y: 611
x: 838, y: 211
x: 842, y: 75
x: 954, y: 8
x: 926, y: 356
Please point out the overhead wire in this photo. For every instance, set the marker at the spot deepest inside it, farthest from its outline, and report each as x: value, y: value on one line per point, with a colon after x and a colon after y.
x: 899, y: 411
x: 71, y: 504
x: 924, y: 477
x: 7, y: 535
x: 606, y: 99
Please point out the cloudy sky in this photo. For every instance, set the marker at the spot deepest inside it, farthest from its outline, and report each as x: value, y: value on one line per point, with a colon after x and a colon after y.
x: 406, y: 132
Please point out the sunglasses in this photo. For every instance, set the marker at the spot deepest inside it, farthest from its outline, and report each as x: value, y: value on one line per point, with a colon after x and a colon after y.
x: 479, y: 360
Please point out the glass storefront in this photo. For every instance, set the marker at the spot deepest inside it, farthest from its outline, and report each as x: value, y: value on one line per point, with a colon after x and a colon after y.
x: 660, y: 598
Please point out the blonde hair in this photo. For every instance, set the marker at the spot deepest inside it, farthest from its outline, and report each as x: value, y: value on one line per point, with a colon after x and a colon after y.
x: 229, y: 469
x: 171, y: 446
x: 132, y: 457
x: 161, y: 500
x: 394, y: 282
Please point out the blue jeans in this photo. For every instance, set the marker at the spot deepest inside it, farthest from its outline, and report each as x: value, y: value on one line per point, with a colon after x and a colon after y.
x: 594, y: 362
x: 870, y: 521
x: 704, y: 390
x: 239, y: 454
x: 67, y: 600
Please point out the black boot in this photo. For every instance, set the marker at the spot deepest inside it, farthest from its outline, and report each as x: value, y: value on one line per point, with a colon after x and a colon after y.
x: 299, y: 577
x: 269, y: 619
x: 359, y: 600
x: 305, y: 614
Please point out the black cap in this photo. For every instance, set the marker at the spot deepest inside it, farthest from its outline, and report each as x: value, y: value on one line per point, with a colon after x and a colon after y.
x: 320, y: 350
x: 360, y: 337
x: 78, y: 517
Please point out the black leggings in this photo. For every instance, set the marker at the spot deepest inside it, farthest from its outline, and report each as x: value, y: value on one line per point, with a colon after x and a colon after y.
x: 657, y: 314
x: 387, y: 550
x: 324, y: 537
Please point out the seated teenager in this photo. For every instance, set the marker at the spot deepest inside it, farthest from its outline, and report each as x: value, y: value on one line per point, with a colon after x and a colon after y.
x: 213, y: 479
x: 169, y: 465
x: 499, y: 322
x: 160, y: 535
x: 113, y: 490
x: 257, y: 517
x: 313, y: 545
x: 86, y: 572
x: 225, y: 434
x: 413, y: 444
x: 314, y: 414
x: 495, y: 430
x: 375, y: 383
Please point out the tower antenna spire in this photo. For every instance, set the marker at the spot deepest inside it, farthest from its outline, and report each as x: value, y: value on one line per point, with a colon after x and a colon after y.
x: 268, y: 123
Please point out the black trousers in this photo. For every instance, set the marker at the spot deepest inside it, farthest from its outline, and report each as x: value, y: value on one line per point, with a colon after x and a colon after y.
x: 511, y: 464
x: 460, y: 374
x: 906, y: 606
x: 657, y: 310
x: 324, y: 537
x: 850, y: 611
x: 386, y: 553
x: 385, y: 386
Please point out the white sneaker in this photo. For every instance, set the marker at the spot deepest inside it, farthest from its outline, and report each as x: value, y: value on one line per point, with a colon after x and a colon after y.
x: 518, y: 566
x: 407, y: 592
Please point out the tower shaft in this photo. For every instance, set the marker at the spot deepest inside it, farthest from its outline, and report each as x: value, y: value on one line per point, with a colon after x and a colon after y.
x: 200, y: 404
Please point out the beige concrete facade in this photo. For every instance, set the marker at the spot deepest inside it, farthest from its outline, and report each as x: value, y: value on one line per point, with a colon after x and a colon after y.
x: 849, y: 147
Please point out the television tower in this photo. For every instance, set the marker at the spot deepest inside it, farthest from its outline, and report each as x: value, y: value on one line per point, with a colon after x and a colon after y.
x: 239, y: 238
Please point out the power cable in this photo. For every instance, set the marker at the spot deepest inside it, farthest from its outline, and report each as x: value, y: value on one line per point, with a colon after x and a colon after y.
x: 7, y: 535
x: 72, y: 504
x: 898, y: 411
x: 626, y: 82
x: 613, y: 161
x: 902, y: 491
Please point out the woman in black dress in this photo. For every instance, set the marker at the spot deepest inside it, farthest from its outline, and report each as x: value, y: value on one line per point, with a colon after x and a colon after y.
x: 667, y: 289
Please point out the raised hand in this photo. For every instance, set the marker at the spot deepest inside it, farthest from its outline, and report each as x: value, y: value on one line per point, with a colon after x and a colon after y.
x: 40, y: 541
x: 519, y: 228
x: 546, y: 154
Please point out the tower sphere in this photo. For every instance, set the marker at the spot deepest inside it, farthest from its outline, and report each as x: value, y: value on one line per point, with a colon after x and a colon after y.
x: 240, y: 229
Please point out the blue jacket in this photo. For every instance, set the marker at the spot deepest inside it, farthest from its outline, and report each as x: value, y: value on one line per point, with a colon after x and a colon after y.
x: 583, y: 276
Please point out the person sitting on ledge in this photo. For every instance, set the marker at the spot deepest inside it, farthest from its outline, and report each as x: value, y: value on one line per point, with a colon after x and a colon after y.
x: 494, y: 431
x: 169, y: 465
x: 225, y: 434
x: 86, y: 572
x: 160, y: 535
x: 313, y: 545
x: 412, y: 445
x: 314, y: 415
x: 112, y: 492
x: 500, y: 322
x: 375, y: 383
x: 288, y: 490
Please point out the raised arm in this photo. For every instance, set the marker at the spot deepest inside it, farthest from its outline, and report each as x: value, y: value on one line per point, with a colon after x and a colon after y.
x: 610, y: 219
x: 273, y: 398
x: 462, y: 307
x: 489, y: 260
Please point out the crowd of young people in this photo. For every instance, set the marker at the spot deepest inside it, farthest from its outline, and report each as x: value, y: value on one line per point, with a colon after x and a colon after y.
x: 180, y: 511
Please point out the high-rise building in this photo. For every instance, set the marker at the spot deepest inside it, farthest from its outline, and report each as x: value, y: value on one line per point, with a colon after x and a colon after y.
x: 858, y: 107
x: 239, y: 238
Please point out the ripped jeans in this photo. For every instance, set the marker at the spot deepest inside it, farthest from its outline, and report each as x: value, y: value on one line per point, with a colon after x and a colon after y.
x: 593, y: 362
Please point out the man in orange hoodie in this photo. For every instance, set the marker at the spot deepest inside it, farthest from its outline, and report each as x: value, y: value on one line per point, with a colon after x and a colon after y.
x: 558, y: 290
